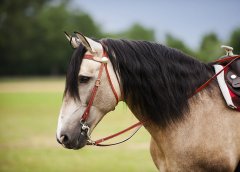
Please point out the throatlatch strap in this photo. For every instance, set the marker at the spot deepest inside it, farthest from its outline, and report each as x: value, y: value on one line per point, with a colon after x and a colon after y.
x: 111, y: 84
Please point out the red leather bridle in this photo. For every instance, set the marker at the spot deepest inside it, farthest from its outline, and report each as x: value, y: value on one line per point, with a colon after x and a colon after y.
x: 85, y: 115
x: 138, y: 125
x: 97, y: 84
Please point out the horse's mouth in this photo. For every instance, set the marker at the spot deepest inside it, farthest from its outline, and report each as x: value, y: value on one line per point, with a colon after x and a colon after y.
x: 81, y: 141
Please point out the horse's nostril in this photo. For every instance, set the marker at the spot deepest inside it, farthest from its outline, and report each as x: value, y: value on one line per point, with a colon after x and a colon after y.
x: 64, y: 139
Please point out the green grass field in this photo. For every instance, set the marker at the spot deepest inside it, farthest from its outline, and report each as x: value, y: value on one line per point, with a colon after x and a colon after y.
x: 28, y: 119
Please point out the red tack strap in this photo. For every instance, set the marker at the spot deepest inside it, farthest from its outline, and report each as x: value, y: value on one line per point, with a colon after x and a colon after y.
x: 94, y: 91
x: 110, y: 82
x: 119, y: 133
x: 88, y: 56
x: 226, y: 59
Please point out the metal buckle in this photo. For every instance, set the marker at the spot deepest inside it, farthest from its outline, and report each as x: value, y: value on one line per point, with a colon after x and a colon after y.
x: 98, y: 82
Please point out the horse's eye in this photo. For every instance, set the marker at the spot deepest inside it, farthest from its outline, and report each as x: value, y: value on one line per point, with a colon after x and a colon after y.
x: 83, y: 79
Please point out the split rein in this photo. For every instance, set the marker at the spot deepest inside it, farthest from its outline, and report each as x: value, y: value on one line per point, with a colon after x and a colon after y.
x: 137, y: 125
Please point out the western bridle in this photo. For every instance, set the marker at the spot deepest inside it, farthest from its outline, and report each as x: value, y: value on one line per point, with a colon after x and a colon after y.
x: 85, y: 116
x: 97, y: 84
x: 138, y: 125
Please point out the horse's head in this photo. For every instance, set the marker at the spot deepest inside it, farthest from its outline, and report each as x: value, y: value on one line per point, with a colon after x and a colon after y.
x: 92, y: 90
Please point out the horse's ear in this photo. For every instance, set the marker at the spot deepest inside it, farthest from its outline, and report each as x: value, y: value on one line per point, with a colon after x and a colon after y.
x: 92, y: 46
x: 73, y: 40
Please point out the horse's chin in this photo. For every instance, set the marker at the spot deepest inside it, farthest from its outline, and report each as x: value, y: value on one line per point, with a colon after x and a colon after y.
x: 79, y: 145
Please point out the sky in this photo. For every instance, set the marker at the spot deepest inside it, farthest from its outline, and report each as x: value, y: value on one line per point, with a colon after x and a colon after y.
x: 188, y: 20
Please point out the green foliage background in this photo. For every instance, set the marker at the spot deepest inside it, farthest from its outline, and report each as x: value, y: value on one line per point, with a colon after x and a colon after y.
x: 32, y: 41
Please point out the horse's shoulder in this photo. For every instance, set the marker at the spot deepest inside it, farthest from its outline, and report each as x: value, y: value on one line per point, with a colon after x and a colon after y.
x: 221, y: 164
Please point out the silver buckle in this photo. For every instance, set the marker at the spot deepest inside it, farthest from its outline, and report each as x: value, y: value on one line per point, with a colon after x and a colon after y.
x: 98, y: 82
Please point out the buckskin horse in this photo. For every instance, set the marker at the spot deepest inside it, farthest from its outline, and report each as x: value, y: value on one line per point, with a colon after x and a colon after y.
x: 190, y: 131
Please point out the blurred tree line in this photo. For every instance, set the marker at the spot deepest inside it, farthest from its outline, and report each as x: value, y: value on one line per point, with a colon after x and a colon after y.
x: 32, y: 40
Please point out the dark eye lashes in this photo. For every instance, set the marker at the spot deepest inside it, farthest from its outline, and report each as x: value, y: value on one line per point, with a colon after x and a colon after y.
x: 83, y: 79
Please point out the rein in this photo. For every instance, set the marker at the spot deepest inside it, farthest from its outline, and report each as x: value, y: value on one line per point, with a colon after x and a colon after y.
x: 137, y: 125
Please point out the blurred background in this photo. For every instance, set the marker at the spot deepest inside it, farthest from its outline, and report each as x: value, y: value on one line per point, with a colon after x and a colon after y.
x: 34, y: 56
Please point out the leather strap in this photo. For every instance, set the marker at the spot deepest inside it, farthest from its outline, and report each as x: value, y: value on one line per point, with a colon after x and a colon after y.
x: 111, y: 84
x: 97, y: 142
x: 93, y: 94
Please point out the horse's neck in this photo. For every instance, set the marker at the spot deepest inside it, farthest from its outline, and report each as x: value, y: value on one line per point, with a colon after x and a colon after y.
x: 207, y: 111
x: 207, y: 118
x: 210, y: 131
x: 177, y: 78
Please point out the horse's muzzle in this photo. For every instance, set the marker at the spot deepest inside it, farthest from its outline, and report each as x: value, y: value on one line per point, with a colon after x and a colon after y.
x: 75, y: 140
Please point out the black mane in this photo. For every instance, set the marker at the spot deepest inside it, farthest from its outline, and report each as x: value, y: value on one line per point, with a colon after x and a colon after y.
x: 71, y: 85
x: 156, y: 80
